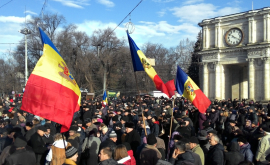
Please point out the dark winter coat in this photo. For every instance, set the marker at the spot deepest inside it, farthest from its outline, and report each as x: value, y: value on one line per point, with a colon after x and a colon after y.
x: 22, y: 157
x: 253, y: 117
x: 149, y: 155
x: 213, y: 117
x: 183, y: 159
x: 29, y: 134
x: 233, y: 157
x: 107, y: 143
x: 38, y: 145
x: 134, y: 139
x: 104, y: 137
x: 108, y: 162
x: 245, y: 150
x: 202, y: 118
x: 155, y: 129
x: 215, y: 155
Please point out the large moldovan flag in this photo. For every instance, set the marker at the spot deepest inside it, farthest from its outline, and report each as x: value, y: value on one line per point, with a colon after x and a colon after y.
x: 141, y: 63
x: 185, y: 85
x: 51, y: 91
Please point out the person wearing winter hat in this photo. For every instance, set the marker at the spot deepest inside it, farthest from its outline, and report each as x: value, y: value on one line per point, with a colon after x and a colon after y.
x: 245, y: 148
x: 132, y: 136
x: 39, y: 145
x: 21, y: 153
x: 71, y: 155
x: 110, y: 142
x: 150, y: 154
x: 195, y: 147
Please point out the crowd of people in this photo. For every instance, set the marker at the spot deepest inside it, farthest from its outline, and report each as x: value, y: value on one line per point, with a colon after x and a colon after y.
x: 139, y: 131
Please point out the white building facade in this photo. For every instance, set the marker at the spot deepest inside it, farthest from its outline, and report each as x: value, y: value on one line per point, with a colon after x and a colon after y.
x: 235, y: 56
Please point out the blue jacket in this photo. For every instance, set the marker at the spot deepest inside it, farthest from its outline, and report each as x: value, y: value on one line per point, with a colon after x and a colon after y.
x: 247, y: 153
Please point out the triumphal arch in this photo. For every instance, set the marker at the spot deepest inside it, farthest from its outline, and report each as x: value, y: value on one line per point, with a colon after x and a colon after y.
x: 235, y: 56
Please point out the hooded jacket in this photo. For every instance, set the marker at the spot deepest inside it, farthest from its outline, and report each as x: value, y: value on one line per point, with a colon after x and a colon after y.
x: 233, y: 157
x: 246, y: 152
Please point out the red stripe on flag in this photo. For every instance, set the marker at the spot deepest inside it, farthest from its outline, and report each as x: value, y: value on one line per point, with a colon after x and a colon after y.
x: 171, y: 87
x: 50, y: 100
x: 160, y: 85
x: 201, y: 101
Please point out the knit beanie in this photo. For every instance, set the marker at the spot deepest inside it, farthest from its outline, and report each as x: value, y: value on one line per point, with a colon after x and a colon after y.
x: 113, y: 134
x: 151, y: 139
x: 71, y: 151
x: 20, y: 141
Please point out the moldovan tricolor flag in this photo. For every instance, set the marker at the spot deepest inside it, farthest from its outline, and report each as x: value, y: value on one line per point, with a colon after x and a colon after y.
x: 185, y: 85
x: 51, y: 91
x: 141, y: 63
x: 104, y: 100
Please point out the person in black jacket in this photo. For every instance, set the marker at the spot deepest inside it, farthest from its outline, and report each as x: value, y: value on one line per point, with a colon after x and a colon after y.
x: 30, y: 131
x: 132, y: 137
x: 215, y: 155
x: 180, y: 156
x: 155, y: 126
x: 22, y: 155
x: 109, y: 142
x: 38, y: 145
x: 233, y: 157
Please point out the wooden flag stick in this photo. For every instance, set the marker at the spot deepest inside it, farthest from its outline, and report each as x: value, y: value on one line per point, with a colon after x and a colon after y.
x: 139, y: 93
x: 170, y: 129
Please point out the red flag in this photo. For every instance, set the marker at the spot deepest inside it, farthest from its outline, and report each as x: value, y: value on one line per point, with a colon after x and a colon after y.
x: 171, y: 87
x: 10, y: 110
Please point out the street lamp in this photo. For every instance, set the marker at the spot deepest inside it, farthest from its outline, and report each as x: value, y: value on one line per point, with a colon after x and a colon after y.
x: 25, y: 31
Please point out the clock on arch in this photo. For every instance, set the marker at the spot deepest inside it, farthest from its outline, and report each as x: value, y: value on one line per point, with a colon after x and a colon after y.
x: 234, y: 37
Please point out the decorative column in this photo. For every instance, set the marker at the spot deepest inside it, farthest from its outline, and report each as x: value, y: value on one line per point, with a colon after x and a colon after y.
x: 251, y: 30
x: 205, y: 79
x: 217, y: 81
x: 266, y: 27
x: 251, y: 79
x: 266, y: 78
x: 217, y: 35
x: 205, y: 38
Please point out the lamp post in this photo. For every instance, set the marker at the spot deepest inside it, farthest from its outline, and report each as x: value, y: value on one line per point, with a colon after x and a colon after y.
x: 25, y: 31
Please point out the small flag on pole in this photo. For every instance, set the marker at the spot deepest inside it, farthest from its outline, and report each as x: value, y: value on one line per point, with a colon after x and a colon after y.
x: 105, y: 101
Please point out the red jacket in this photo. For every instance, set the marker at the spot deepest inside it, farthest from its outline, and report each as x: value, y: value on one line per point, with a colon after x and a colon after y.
x: 126, y: 161
x: 133, y: 161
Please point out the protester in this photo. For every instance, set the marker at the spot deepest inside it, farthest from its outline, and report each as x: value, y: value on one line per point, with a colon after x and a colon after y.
x: 121, y: 155
x: 105, y: 157
x: 21, y: 155
x: 196, y: 138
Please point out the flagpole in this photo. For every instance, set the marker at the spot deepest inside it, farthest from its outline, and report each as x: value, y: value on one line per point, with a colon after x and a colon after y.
x: 170, y: 129
x: 139, y: 93
x: 139, y: 97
